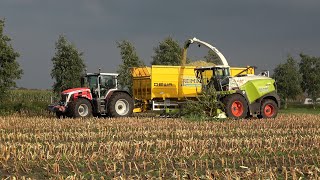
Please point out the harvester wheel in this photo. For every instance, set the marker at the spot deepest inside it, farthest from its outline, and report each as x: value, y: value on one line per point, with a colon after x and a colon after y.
x: 269, y: 109
x: 236, y: 106
x: 120, y: 105
x: 80, y: 108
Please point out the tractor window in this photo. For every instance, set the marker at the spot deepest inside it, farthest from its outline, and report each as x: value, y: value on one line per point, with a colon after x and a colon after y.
x: 93, y: 83
x: 108, y: 82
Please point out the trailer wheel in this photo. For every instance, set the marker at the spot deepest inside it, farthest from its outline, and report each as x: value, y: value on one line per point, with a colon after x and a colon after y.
x: 120, y: 105
x: 269, y: 109
x: 236, y: 106
x: 80, y: 108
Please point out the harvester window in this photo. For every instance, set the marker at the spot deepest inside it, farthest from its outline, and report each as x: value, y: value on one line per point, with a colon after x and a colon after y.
x: 221, y: 72
x: 218, y: 73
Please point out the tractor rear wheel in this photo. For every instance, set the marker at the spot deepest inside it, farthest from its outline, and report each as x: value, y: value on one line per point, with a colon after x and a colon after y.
x: 120, y: 105
x: 269, y: 109
x: 236, y: 106
x: 80, y: 108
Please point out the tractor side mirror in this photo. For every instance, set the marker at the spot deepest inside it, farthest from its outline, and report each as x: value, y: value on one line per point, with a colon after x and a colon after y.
x: 83, y: 82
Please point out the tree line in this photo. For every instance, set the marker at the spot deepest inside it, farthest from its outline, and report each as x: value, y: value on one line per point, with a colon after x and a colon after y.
x: 292, y: 77
x: 295, y: 77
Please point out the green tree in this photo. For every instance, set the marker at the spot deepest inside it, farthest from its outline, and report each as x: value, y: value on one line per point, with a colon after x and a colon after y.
x: 205, y: 106
x: 9, y: 67
x: 212, y: 57
x: 129, y: 59
x: 288, y: 80
x: 68, y: 66
x: 309, y: 68
x: 167, y: 53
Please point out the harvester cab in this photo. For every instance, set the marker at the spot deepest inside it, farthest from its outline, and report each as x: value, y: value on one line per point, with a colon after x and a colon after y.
x: 213, y: 76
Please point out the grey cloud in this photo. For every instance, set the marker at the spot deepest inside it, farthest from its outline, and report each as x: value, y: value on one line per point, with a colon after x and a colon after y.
x: 248, y: 32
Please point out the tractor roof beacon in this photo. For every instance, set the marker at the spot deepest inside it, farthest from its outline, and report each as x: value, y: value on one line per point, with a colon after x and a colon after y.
x: 99, y: 95
x: 243, y: 95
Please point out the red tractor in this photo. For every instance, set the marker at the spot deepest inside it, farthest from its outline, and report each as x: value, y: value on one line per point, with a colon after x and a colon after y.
x: 98, y: 96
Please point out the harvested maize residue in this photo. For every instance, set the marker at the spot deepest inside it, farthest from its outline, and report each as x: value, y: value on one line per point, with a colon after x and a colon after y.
x: 132, y: 148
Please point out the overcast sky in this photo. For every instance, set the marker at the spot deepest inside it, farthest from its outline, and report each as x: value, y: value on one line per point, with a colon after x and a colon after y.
x: 247, y: 32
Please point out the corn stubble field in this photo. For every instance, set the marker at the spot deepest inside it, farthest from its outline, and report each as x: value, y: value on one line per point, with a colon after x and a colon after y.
x: 133, y: 148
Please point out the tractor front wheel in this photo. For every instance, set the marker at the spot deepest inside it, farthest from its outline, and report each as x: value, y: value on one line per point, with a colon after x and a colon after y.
x: 80, y: 108
x: 236, y: 106
x: 120, y: 105
x: 269, y: 109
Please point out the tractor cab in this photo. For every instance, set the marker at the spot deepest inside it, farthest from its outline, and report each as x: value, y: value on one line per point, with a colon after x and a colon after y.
x: 100, y: 83
x: 214, y: 76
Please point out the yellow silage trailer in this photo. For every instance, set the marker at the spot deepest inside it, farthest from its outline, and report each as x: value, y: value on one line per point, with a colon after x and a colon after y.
x: 161, y: 87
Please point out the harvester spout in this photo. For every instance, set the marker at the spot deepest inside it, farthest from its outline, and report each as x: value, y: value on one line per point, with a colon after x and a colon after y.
x: 214, y: 49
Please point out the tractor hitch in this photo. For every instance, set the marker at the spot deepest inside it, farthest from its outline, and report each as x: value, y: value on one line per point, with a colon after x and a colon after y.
x: 56, y: 108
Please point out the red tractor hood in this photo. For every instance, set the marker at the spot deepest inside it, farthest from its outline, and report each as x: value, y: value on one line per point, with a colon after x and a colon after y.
x: 75, y: 90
